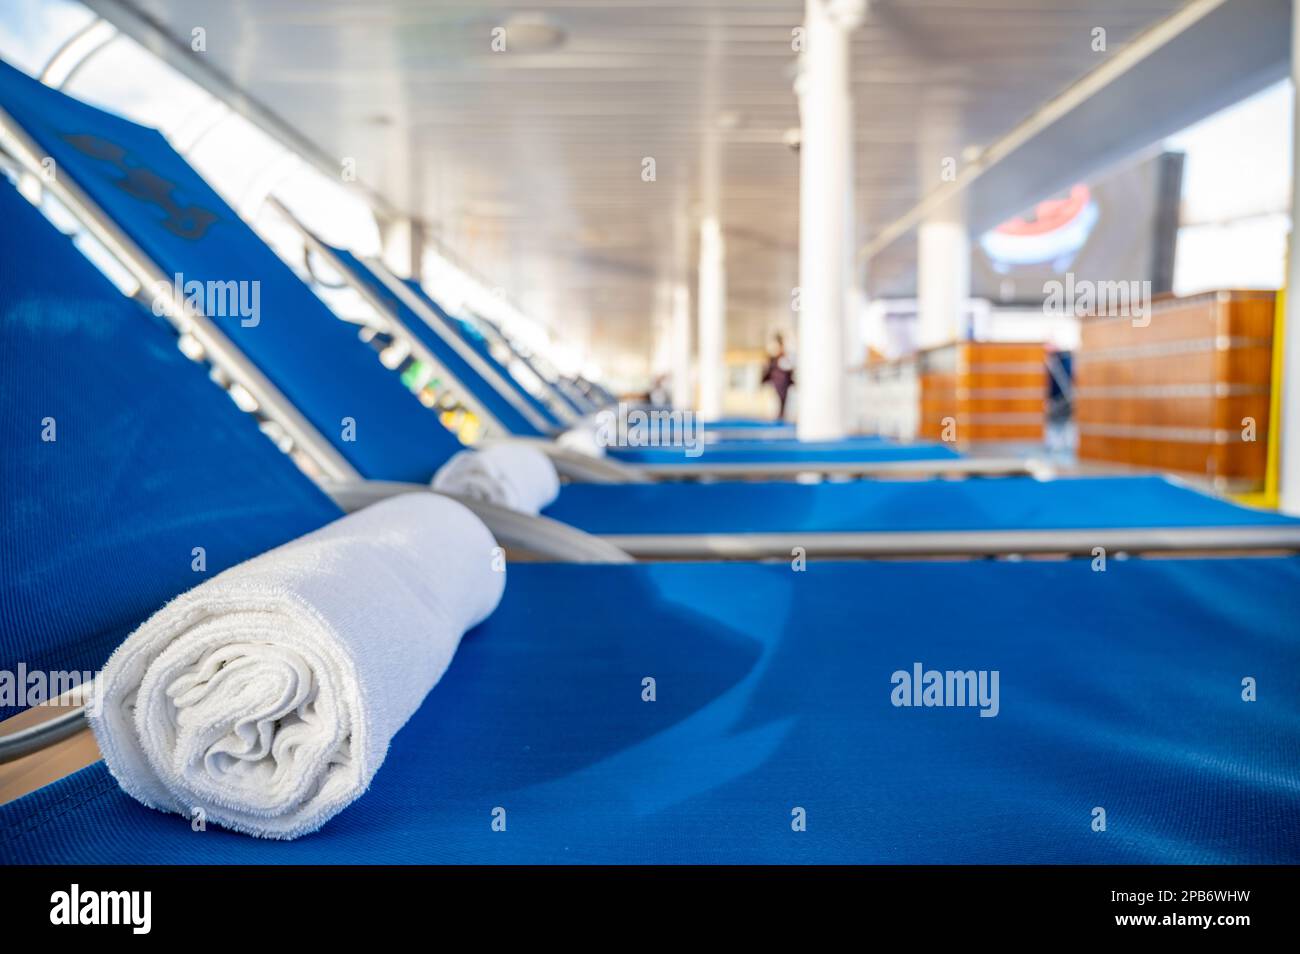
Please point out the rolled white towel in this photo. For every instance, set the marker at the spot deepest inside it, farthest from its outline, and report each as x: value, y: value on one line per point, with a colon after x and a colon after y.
x: 267, y: 696
x: 584, y: 438
x: 510, y: 474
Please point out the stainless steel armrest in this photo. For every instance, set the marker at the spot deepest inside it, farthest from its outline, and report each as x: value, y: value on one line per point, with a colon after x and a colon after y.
x: 540, y: 536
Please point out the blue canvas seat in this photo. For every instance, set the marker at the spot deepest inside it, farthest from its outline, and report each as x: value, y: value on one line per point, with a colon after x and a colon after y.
x: 128, y: 477
x: 1118, y: 690
x: 748, y: 423
x: 971, y: 506
x: 849, y: 451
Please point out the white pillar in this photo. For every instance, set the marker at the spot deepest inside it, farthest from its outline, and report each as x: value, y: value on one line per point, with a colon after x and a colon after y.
x: 402, y: 242
x: 1288, y: 428
x: 942, y: 276
x: 661, y: 331
x: 679, y: 347
x: 713, y: 318
x: 825, y: 215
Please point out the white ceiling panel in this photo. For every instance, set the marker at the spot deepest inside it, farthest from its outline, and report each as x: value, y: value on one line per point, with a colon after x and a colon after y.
x: 528, y: 163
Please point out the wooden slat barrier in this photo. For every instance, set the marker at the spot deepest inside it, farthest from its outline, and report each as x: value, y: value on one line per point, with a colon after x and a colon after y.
x: 1181, y: 393
x: 989, y: 391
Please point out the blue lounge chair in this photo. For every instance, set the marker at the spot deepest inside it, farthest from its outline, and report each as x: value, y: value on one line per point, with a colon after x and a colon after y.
x: 372, y: 438
x: 413, y: 313
x: 729, y: 429
x: 127, y: 477
x: 147, y: 204
x: 1076, y: 515
x: 560, y: 411
x: 752, y: 520
x: 1118, y: 689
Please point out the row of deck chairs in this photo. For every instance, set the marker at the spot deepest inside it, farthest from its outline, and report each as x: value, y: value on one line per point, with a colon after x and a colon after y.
x: 1121, y: 678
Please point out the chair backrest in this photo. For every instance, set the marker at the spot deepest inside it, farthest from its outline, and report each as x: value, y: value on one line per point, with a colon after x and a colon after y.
x: 500, y: 406
x: 317, y: 362
x: 478, y: 341
x: 128, y: 476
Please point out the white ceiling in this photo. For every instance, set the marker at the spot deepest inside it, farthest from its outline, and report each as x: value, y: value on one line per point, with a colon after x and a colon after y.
x: 528, y: 165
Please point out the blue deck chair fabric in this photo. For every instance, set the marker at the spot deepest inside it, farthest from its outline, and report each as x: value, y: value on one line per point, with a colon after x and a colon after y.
x: 570, y: 396
x: 784, y: 432
x: 762, y: 428
x: 1008, y: 503
x: 670, y: 422
x: 475, y: 339
x: 850, y: 451
x: 576, y: 397
x: 464, y: 373
x: 601, y: 394
x: 742, y: 423
x: 182, y: 224
x: 524, y: 357
x: 1120, y: 689
x: 120, y: 458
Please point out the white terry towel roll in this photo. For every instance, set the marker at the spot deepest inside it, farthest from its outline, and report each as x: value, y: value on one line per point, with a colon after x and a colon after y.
x: 267, y: 695
x: 583, y: 438
x: 510, y: 474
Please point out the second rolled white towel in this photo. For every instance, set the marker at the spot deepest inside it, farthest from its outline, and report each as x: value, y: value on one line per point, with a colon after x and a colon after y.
x: 509, y: 474
x: 266, y: 697
x: 583, y: 438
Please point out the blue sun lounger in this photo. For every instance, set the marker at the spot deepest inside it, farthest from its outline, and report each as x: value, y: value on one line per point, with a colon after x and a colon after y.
x: 1119, y: 690
x: 396, y: 440
x: 413, y: 313
x: 753, y: 520
x: 127, y: 478
x: 1128, y: 701
x: 372, y: 438
x: 1075, y: 515
x: 559, y: 410
x: 729, y: 429
x: 162, y: 220
x: 505, y: 399
x: 151, y: 209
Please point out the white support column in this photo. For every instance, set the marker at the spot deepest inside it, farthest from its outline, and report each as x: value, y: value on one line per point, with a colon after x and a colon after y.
x: 1288, y: 428
x: 942, y: 275
x: 402, y: 241
x: 680, y: 383
x: 825, y: 215
x: 713, y: 318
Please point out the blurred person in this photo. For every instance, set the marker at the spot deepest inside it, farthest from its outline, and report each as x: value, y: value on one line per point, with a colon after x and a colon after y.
x: 779, y: 373
x: 660, y: 395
